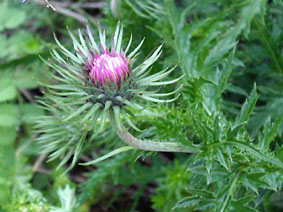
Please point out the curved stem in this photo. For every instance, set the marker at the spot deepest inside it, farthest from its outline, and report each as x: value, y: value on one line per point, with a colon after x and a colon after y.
x: 153, y: 145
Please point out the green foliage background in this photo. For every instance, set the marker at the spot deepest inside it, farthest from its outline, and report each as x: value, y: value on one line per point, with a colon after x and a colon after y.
x: 231, y: 107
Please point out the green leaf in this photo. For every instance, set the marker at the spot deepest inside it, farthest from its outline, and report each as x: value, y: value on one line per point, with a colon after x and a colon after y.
x: 187, y: 202
x: 249, y: 13
x: 3, y: 43
x: 245, y: 200
x: 237, y: 90
x: 272, y: 47
x: 110, y: 154
x: 254, y: 151
x: 228, y: 41
x: 269, y: 133
x: 10, y: 18
x: 221, y: 158
x: 225, y: 74
x: 8, y: 135
x: 8, y: 115
x: 236, y: 207
x: 241, y: 204
x: 246, y: 109
x: 25, y: 79
x: 7, y: 89
x: 21, y: 48
x: 272, y: 110
x: 279, y: 153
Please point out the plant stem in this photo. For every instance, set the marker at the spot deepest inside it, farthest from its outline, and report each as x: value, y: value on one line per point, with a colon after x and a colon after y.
x: 153, y: 145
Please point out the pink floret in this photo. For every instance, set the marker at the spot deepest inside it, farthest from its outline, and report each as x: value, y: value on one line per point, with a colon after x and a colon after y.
x: 108, y: 67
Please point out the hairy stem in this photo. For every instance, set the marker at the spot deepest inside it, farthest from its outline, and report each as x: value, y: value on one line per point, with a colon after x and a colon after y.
x: 153, y: 145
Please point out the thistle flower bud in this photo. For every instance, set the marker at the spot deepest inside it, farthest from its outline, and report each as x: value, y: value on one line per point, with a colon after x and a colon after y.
x: 102, y: 83
x: 93, y: 85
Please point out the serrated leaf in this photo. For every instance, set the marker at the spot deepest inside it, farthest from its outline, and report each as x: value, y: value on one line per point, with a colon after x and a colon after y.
x: 236, y: 207
x: 269, y: 133
x: 187, y: 202
x: 221, y: 158
x: 254, y: 151
x: 245, y: 200
x: 246, y: 109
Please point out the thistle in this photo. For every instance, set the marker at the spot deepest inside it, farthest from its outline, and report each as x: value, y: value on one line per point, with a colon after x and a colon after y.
x: 96, y: 83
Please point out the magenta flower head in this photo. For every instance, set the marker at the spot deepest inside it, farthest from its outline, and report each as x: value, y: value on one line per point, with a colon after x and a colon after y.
x: 93, y: 83
x: 108, y: 67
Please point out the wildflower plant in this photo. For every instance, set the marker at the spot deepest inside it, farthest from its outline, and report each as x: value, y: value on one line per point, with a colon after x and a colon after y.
x: 229, y: 113
x: 94, y: 84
